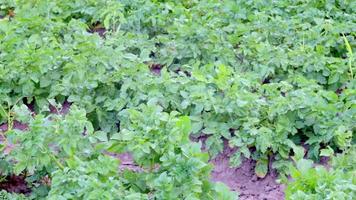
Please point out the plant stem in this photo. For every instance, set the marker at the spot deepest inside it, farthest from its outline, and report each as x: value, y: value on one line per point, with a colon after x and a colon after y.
x: 52, y: 157
x: 349, y: 50
x: 56, y: 161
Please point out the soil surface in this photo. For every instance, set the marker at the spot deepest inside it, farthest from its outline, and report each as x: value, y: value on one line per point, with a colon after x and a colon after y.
x: 243, y: 179
x: 99, y: 29
x: 15, y: 184
x: 156, y: 68
x: 126, y: 162
x: 16, y: 125
x: 63, y: 110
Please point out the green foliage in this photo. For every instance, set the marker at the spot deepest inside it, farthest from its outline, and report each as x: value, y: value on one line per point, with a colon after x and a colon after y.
x: 50, y: 139
x: 271, y: 77
x: 160, y: 143
x: 70, y: 152
x: 94, y: 179
x: 338, y: 182
x: 9, y: 196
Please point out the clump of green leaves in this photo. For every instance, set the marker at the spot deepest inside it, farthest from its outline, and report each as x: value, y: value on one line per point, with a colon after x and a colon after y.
x: 160, y: 143
x: 72, y: 155
x: 338, y: 182
x: 9, y: 196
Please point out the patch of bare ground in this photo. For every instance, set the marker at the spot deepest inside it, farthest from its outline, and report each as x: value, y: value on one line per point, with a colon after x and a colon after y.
x: 243, y: 179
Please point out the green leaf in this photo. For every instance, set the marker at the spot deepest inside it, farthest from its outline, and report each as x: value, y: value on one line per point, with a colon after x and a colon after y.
x: 261, y: 168
x: 184, y: 125
x: 304, y: 165
x: 327, y: 152
x: 101, y: 136
x: 19, y: 167
x: 299, y: 152
x: 223, y: 192
x: 235, y: 160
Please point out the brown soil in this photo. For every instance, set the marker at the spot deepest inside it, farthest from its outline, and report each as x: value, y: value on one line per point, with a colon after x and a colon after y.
x: 16, y: 125
x: 15, y: 184
x: 244, y: 181
x: 156, y: 68
x: 99, y: 29
x: 63, y: 111
x: 126, y: 162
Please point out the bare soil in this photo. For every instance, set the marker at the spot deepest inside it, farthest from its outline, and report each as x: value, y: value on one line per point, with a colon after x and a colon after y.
x: 126, y: 162
x: 63, y: 110
x: 99, y: 29
x: 243, y: 179
x: 15, y: 184
x: 16, y: 125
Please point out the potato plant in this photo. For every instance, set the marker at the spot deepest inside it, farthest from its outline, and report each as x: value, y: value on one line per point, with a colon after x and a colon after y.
x: 275, y: 79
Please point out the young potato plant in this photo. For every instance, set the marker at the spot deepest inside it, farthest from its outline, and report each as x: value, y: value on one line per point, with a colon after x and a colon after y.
x: 73, y: 156
x: 338, y: 182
